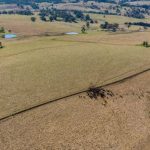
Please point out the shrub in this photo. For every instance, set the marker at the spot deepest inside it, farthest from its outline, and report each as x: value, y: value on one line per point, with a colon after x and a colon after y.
x: 33, y: 19
x: 146, y: 44
x: 2, y: 30
x: 83, y: 29
x: 1, y: 46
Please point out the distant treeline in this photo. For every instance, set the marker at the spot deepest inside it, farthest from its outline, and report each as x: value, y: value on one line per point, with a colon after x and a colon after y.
x: 136, y: 13
x: 139, y: 24
x: 104, y: 1
x: 145, y: 6
x: 27, y: 2
x: 110, y: 27
x: 19, y: 12
x: 100, y: 12
x: 63, y: 15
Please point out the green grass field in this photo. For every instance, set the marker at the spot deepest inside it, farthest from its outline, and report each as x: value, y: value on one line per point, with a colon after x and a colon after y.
x: 34, y: 70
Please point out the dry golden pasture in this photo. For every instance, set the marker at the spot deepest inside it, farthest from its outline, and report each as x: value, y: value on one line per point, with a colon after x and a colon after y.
x: 34, y: 70
x: 106, y: 38
x: 23, y: 26
x: 81, y: 123
x: 117, y: 19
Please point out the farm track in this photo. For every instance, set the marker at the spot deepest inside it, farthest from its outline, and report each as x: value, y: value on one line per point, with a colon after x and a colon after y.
x: 47, y: 34
x: 103, y: 84
x: 67, y: 45
x: 97, y: 42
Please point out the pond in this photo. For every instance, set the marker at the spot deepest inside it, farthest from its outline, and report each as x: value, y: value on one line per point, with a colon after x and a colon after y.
x: 10, y: 36
x: 72, y: 33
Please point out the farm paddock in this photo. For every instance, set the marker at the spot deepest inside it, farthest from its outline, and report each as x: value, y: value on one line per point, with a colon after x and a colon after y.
x: 35, y: 73
x: 35, y: 69
x: 81, y: 123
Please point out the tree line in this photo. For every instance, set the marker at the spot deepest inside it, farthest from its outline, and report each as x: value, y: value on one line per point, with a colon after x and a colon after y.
x: 63, y: 15
x: 28, y: 2
x: 143, y: 24
x: 110, y: 26
x: 19, y: 12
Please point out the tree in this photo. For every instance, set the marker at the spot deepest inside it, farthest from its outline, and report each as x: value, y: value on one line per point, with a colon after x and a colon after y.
x: 88, y: 25
x: 128, y: 24
x: 43, y: 18
x: 104, y: 26
x: 118, y: 11
x: 69, y: 18
x: 146, y: 44
x: 87, y: 17
x: 51, y: 18
x: 83, y: 29
x: 33, y: 19
x: 91, y: 21
x: 109, y: 26
x: 1, y: 45
x: 2, y: 30
x: 35, y: 6
x: 116, y: 25
x: 79, y: 14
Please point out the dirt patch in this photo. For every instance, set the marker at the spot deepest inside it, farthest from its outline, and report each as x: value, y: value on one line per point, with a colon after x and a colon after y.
x: 95, y: 92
